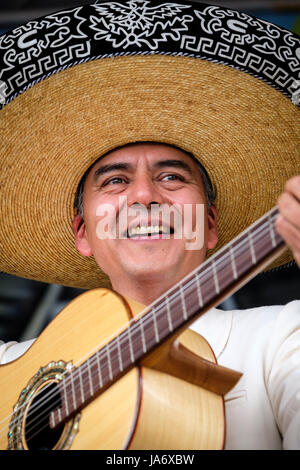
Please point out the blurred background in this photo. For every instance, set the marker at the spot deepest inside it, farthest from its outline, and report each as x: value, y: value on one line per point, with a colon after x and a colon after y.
x: 26, y: 307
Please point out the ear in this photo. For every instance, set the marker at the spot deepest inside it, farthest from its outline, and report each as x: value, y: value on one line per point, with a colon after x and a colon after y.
x: 80, y: 235
x: 212, y: 235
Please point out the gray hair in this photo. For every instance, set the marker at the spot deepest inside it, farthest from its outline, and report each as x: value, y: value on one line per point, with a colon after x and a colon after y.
x: 210, y: 192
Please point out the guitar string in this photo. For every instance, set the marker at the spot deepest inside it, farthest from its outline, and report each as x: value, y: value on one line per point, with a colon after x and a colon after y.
x: 151, y: 319
x: 133, y: 321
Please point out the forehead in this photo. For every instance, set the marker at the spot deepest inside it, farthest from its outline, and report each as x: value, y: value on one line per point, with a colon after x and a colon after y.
x: 149, y: 154
x: 147, y: 149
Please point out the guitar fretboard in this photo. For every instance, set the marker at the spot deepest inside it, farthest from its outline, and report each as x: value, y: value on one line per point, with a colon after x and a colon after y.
x: 181, y: 305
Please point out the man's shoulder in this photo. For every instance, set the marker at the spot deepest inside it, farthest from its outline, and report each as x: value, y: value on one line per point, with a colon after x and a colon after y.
x: 245, y: 325
x: 269, y: 314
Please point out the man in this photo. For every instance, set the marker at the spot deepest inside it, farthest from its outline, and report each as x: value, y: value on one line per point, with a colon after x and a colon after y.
x: 247, y: 152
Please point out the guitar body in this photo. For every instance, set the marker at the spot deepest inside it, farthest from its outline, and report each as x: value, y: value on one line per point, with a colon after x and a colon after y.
x: 144, y: 409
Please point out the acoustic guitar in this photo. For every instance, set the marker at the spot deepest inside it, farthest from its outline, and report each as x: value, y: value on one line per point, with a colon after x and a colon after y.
x: 108, y: 373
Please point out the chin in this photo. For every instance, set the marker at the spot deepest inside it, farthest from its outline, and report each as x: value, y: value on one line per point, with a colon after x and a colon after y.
x: 146, y: 271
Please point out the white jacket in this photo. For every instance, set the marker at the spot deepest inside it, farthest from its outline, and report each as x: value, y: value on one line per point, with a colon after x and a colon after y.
x: 263, y: 409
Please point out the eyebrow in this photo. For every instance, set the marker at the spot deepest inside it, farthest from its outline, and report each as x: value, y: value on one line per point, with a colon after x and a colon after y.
x: 175, y: 164
x: 128, y: 166
x: 111, y: 167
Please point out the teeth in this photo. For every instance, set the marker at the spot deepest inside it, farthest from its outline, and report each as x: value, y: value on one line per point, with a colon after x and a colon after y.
x: 147, y: 229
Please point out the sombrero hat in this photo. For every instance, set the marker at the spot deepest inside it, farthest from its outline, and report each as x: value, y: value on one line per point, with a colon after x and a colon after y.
x: 75, y: 84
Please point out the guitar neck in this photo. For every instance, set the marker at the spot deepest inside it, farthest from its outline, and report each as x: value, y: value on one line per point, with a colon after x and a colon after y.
x: 219, y: 276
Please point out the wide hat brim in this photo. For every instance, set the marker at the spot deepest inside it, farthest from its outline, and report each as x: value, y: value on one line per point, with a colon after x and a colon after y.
x: 217, y: 83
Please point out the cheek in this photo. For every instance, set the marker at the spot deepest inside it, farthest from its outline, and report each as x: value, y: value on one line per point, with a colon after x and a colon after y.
x: 105, y: 223
x: 194, y: 211
x: 101, y: 219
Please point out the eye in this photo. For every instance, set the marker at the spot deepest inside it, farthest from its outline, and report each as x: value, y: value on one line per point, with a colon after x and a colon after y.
x: 114, y: 180
x: 172, y: 177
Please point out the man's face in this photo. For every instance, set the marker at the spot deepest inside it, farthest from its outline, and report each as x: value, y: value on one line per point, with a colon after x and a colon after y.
x: 145, y: 243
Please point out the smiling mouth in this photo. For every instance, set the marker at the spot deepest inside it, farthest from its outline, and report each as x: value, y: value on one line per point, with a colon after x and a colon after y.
x: 149, y: 231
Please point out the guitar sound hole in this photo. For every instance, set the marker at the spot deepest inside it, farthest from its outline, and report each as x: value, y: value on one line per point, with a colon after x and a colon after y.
x: 38, y: 434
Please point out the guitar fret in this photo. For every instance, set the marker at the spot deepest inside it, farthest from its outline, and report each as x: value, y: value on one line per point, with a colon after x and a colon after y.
x: 52, y: 418
x: 252, y: 248
x: 99, y: 369
x: 143, y: 335
x: 271, y: 229
x: 199, y: 290
x: 90, y: 378
x: 233, y: 262
x: 73, y: 391
x: 183, y: 303
x: 155, y: 326
x: 215, y: 277
x: 64, y: 385
x: 109, y: 361
x: 169, y: 314
x: 130, y: 345
x: 81, y: 387
x: 119, y: 354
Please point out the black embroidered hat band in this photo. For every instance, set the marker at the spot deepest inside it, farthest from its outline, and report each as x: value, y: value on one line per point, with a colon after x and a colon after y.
x: 78, y: 83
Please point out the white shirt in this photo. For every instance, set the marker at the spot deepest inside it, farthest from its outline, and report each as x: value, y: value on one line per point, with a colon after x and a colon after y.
x: 263, y: 409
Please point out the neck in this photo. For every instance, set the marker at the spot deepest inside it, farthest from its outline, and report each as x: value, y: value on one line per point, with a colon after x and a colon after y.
x: 146, y: 285
x: 144, y: 291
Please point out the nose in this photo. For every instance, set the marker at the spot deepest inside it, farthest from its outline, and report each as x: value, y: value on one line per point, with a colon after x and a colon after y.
x: 144, y: 191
